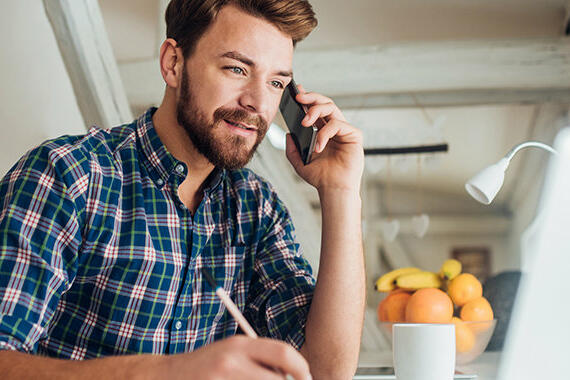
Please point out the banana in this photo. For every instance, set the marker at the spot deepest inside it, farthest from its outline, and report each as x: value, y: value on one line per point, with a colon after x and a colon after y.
x: 450, y: 269
x: 386, y: 282
x: 419, y: 280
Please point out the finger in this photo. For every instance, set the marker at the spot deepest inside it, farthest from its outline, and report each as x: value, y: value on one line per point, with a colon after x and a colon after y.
x: 326, y: 111
x: 277, y: 354
x: 332, y: 111
x: 340, y: 131
x: 259, y: 371
x: 313, y: 98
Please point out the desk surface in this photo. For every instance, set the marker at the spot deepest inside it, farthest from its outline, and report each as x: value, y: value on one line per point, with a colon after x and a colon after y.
x: 485, y: 366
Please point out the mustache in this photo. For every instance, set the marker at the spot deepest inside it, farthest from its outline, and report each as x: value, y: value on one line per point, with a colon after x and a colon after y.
x: 238, y: 115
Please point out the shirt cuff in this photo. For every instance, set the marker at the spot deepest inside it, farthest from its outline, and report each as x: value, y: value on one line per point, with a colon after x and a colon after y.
x: 9, y: 344
x: 19, y: 334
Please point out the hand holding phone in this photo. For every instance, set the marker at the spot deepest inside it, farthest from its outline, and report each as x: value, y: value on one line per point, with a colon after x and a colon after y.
x: 294, y: 112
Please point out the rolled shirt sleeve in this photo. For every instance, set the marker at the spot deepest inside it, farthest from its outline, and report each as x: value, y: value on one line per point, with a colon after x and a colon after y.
x: 282, y: 286
x: 39, y: 240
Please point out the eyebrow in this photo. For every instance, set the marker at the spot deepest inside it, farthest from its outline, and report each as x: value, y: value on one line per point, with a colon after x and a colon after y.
x: 247, y: 61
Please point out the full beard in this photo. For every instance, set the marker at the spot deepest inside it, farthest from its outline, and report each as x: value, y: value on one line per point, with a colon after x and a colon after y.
x: 226, y: 152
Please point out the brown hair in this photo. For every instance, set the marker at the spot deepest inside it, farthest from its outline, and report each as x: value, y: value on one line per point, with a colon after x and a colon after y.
x: 188, y: 20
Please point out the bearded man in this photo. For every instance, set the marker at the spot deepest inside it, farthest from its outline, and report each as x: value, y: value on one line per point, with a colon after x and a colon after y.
x: 103, y: 236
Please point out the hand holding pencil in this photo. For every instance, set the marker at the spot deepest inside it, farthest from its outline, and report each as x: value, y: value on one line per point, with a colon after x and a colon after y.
x: 271, y: 358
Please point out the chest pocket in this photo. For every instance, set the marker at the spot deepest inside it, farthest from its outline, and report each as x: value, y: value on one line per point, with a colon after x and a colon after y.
x: 226, y: 265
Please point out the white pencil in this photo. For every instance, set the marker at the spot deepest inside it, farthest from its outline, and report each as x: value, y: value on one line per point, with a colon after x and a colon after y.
x: 230, y: 305
x: 234, y: 311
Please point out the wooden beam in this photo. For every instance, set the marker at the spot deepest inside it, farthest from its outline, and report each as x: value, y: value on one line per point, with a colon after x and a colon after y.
x: 82, y: 39
x: 532, y: 64
x: 450, y: 73
x: 458, y: 98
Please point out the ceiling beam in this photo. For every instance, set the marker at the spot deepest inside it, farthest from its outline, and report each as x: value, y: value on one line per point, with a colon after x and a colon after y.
x: 457, y: 98
x: 86, y: 51
x: 437, y: 66
x: 450, y: 73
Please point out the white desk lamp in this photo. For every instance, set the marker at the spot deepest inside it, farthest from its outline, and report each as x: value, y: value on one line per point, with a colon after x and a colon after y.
x: 485, y: 185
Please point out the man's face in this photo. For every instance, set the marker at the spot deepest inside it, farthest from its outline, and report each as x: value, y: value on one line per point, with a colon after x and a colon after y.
x: 231, y: 86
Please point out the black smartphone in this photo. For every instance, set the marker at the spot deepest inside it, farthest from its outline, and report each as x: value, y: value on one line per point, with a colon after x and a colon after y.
x: 294, y: 112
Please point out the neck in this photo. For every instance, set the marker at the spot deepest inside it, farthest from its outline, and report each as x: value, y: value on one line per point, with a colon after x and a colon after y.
x: 177, y: 142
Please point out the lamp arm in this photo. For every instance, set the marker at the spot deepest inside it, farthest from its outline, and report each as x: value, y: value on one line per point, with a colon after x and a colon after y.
x: 529, y: 144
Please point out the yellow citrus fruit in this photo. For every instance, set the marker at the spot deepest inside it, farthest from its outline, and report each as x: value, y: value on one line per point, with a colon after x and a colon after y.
x: 477, y: 310
x: 464, y: 336
x: 393, y: 307
x: 464, y: 288
x: 429, y: 305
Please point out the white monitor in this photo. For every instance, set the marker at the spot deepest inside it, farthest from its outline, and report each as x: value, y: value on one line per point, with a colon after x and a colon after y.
x: 537, y: 345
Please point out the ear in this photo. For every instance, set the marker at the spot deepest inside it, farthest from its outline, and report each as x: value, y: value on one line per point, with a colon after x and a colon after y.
x: 171, y: 61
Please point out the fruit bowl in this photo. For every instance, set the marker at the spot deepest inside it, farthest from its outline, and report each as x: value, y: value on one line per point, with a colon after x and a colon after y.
x: 471, y: 338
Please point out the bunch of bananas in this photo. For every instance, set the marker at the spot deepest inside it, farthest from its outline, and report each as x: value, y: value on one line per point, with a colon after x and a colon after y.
x: 412, y: 278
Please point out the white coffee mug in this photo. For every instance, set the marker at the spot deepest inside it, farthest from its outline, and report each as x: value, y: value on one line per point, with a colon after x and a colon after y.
x: 423, y: 351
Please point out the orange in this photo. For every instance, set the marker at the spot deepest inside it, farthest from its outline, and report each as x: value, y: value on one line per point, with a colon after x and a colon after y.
x: 464, y: 288
x: 429, y: 305
x: 464, y: 336
x: 477, y: 310
x: 393, y: 307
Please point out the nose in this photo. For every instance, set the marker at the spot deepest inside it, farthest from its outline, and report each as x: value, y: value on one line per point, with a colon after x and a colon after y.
x: 255, y: 97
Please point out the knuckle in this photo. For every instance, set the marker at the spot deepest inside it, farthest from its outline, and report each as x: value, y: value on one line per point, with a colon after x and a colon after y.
x: 288, y: 353
x: 235, y: 342
x: 359, y: 133
x: 226, y: 363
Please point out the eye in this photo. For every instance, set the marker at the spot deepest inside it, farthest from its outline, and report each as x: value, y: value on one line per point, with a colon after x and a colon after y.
x: 236, y: 70
x: 276, y: 84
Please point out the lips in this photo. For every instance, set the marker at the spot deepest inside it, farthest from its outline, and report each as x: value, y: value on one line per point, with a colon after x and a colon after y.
x: 240, y: 125
x: 242, y: 122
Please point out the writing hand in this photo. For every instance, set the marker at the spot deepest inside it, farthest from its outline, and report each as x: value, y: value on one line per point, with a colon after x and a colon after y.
x: 240, y: 357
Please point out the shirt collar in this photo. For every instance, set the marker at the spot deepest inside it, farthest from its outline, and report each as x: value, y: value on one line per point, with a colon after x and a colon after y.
x: 160, y: 163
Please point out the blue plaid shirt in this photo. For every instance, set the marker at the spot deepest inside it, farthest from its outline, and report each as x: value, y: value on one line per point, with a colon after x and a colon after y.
x: 99, y: 256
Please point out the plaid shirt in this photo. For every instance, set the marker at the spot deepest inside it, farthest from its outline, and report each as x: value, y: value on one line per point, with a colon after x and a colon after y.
x: 99, y: 256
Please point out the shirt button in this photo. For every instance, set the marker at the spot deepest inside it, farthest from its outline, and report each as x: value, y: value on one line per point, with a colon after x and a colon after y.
x: 179, y: 169
x: 178, y: 325
x: 159, y: 182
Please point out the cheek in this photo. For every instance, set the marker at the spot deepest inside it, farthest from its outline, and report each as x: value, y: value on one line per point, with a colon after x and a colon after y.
x: 274, y: 109
x: 206, y: 99
x: 219, y: 94
x: 209, y: 89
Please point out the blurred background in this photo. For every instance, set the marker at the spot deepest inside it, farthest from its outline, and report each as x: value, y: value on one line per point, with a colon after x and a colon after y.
x: 480, y: 76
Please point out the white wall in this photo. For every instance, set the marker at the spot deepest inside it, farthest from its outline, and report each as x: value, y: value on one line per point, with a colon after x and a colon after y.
x: 431, y: 251
x: 526, y: 194
x: 36, y: 101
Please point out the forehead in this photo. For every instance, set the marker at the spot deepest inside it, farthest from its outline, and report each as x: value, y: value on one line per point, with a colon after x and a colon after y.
x: 235, y: 30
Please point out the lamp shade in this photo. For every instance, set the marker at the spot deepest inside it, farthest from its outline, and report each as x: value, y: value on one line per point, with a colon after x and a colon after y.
x: 485, y: 185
